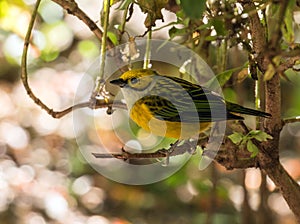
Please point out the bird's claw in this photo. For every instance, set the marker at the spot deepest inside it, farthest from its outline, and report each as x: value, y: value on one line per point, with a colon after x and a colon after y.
x: 125, y: 154
x: 166, y: 153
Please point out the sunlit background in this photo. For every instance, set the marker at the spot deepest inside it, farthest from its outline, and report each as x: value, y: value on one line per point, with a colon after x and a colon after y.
x: 45, y: 179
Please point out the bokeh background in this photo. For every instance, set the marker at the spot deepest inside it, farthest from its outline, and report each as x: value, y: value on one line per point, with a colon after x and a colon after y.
x: 45, y: 179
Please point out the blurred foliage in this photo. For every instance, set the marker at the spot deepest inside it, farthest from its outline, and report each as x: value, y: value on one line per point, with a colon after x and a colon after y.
x: 43, y: 176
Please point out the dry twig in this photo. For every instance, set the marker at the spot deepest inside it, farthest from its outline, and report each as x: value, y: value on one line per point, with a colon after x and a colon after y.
x: 72, y: 8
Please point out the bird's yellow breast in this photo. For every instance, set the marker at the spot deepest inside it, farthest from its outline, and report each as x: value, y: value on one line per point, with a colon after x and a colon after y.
x: 143, y: 117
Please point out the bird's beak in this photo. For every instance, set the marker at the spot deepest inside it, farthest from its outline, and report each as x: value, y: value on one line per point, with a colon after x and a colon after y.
x: 119, y: 82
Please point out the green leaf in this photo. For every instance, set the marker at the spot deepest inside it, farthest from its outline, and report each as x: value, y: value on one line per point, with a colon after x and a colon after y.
x: 221, y: 78
x: 224, y: 76
x: 210, y: 38
x: 260, y: 135
x: 273, y: 14
x: 287, y: 29
x: 219, y: 27
x: 173, y: 32
x: 193, y: 8
x: 236, y: 137
x: 204, y: 26
x: 164, y: 26
x: 252, y: 148
x: 124, y: 4
x: 276, y: 60
x: 230, y: 94
x: 113, y: 37
x: 269, y: 73
x: 253, y: 133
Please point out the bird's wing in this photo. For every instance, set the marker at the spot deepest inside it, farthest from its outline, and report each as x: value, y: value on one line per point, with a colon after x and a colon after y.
x: 186, y: 102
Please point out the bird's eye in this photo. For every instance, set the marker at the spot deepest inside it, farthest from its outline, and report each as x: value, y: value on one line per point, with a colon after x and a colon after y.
x: 134, y: 80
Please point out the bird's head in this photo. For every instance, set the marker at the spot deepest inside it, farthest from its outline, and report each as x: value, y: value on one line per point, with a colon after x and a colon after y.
x: 136, y: 79
x: 136, y: 84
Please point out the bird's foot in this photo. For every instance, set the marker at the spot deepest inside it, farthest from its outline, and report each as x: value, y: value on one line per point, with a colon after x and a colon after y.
x: 168, y: 152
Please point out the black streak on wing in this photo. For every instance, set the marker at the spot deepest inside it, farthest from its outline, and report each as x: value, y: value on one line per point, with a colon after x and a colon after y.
x: 182, y: 93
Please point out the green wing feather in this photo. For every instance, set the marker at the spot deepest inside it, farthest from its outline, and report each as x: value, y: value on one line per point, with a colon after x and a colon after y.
x: 183, y: 101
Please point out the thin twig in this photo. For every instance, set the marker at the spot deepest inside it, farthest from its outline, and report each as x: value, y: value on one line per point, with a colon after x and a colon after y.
x: 288, y: 63
x: 291, y: 54
x: 126, y: 155
x: 148, y: 51
x: 72, y: 8
x: 291, y: 120
x: 99, y: 104
x: 174, y: 150
x: 230, y: 155
x: 100, y: 79
x: 276, y: 35
x: 24, y: 74
x: 123, y: 23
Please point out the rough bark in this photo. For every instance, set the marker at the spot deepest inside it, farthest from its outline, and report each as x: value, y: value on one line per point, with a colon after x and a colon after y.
x: 268, y: 158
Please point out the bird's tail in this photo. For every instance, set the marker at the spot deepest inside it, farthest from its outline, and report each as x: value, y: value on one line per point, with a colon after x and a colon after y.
x: 235, y: 108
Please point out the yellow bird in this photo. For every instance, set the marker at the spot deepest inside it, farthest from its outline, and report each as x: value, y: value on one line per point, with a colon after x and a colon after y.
x: 172, y: 107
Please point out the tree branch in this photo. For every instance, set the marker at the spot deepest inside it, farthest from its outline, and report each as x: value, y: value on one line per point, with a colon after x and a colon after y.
x: 268, y: 158
x: 174, y: 150
x: 72, y: 8
x: 24, y: 75
x: 288, y: 63
x: 230, y: 155
x: 291, y: 120
x: 99, y: 104
x: 276, y: 35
